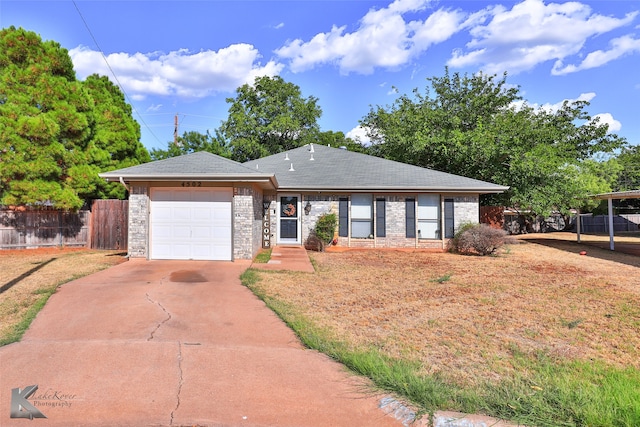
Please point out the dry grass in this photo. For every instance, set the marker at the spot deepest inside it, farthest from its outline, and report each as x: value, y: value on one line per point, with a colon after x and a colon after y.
x: 26, y: 275
x: 463, y: 316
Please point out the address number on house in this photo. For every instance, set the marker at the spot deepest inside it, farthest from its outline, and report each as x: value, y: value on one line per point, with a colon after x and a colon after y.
x: 191, y: 183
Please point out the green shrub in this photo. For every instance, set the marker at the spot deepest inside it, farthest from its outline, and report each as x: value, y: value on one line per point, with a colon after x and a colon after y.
x: 478, y: 239
x: 323, y: 232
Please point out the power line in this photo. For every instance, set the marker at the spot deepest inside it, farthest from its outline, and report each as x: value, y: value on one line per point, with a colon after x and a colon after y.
x: 113, y: 73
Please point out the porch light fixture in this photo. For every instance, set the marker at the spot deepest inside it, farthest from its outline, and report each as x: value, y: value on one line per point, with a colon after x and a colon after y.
x: 307, y: 208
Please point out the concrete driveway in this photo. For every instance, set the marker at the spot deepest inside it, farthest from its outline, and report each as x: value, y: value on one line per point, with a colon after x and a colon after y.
x: 174, y: 343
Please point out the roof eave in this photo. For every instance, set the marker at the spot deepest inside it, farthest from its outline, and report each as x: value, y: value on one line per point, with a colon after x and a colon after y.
x: 256, y: 178
x: 632, y: 194
x: 496, y: 190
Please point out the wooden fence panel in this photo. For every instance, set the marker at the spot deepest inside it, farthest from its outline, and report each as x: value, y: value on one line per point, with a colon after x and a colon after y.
x: 109, y: 224
x: 34, y: 229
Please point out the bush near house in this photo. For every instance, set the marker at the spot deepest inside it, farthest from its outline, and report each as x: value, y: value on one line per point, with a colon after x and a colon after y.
x: 323, y: 232
x: 478, y: 239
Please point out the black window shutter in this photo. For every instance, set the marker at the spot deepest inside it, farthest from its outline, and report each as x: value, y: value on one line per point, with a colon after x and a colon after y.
x: 411, y: 217
x: 448, y: 219
x: 381, y: 226
x: 343, y: 219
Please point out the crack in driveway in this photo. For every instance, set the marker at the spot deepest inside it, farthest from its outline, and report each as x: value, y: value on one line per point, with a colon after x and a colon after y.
x: 161, y: 323
x: 180, y: 382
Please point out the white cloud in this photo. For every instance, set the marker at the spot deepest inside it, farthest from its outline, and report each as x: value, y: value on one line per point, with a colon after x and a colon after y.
x: 552, y: 108
x: 614, y: 125
x: 383, y: 39
x: 359, y: 134
x: 179, y: 73
x: 532, y: 32
x: 621, y: 46
x: 513, y: 40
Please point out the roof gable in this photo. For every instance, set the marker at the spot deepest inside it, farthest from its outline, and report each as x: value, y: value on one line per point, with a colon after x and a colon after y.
x: 199, y: 163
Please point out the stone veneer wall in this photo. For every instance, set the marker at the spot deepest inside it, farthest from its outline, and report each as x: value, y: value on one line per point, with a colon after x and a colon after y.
x: 257, y: 221
x: 242, y: 223
x: 138, y: 221
x: 320, y: 205
x: 466, y: 209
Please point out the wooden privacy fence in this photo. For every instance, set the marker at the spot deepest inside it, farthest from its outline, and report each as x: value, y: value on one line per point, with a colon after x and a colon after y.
x: 102, y: 227
x: 35, y: 229
x: 109, y: 222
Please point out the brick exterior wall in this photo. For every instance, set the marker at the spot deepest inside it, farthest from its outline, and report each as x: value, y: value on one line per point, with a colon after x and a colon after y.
x: 247, y: 222
x: 466, y: 209
x: 248, y: 212
x: 320, y: 205
x: 138, y: 221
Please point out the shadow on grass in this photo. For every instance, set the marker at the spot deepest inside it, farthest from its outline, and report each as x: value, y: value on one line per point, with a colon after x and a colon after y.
x: 625, y: 253
x: 24, y: 275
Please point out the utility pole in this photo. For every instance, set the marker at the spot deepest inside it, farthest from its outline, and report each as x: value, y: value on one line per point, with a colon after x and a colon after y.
x: 175, y: 129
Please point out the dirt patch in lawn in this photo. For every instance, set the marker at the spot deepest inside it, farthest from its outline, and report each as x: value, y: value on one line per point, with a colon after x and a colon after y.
x: 25, y: 275
x: 464, y: 317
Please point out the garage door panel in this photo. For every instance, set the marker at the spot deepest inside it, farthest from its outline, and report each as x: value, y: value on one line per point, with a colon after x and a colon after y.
x: 202, y: 214
x: 191, y: 224
x: 181, y: 232
x: 162, y: 213
x: 180, y: 251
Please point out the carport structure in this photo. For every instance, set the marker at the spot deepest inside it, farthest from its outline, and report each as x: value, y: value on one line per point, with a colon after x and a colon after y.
x: 610, y: 197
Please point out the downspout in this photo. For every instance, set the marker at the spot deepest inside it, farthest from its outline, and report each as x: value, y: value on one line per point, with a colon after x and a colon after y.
x: 123, y: 183
x: 126, y: 188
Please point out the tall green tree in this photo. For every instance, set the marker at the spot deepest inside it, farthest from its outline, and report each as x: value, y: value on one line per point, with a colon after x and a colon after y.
x: 58, y: 133
x: 45, y: 122
x: 114, y: 143
x: 191, y: 142
x: 338, y: 139
x: 629, y: 160
x: 477, y: 126
x: 268, y: 117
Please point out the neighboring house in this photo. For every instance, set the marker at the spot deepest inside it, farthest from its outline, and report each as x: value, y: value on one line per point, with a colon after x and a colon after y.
x: 202, y: 206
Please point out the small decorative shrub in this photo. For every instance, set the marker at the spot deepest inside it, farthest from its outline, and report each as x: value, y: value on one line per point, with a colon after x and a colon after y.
x: 323, y: 233
x: 478, y: 239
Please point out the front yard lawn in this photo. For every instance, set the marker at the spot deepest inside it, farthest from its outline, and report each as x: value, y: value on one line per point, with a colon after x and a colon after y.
x: 539, y: 335
x: 29, y: 277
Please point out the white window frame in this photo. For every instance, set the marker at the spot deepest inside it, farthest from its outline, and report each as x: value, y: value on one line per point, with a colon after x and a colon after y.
x: 428, y: 216
x: 361, y: 216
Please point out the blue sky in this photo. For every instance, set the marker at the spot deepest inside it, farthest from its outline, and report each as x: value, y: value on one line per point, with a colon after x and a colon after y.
x: 187, y: 57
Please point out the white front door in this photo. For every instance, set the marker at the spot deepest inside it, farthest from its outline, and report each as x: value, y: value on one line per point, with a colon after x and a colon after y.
x: 289, y: 220
x: 191, y: 223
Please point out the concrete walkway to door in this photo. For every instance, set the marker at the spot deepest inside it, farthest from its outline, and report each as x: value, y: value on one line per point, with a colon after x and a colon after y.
x: 173, y: 343
x: 290, y: 258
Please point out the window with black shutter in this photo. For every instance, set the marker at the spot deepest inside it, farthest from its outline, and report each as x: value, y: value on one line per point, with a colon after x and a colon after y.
x: 343, y: 217
x: 449, y: 223
x: 411, y: 217
x: 381, y: 226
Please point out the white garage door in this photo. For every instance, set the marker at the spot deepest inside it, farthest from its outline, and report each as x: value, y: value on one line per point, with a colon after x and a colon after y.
x: 191, y: 223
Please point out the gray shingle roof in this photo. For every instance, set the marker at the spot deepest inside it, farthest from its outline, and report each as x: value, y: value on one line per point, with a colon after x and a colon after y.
x: 338, y: 169
x: 332, y: 169
x: 201, y: 166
